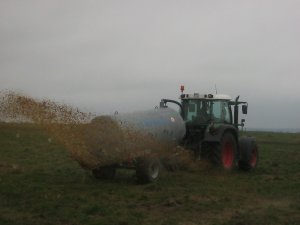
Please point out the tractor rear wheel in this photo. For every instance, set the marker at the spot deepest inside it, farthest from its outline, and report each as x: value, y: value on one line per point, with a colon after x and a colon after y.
x: 224, y: 153
x: 148, y: 170
x: 249, y: 153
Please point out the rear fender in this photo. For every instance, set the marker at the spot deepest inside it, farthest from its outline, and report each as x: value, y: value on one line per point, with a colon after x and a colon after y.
x: 215, y: 133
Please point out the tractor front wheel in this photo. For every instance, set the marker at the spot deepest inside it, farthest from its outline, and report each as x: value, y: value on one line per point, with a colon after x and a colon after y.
x: 249, y: 153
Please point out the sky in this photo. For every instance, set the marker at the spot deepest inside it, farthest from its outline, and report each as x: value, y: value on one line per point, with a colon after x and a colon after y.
x: 107, y: 56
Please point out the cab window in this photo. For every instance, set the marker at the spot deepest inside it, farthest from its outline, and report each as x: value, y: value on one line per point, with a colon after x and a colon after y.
x: 220, y: 111
x: 197, y: 111
x: 226, y: 113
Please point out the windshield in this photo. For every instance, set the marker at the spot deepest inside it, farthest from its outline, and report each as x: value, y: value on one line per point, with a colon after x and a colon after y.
x: 205, y: 111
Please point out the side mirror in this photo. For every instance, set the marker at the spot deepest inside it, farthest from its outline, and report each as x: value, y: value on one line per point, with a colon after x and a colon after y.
x: 244, y: 109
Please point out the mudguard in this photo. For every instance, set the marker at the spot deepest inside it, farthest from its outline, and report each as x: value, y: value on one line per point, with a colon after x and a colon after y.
x: 214, y: 133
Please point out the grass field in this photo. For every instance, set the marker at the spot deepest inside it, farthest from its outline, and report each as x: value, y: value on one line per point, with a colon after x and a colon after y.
x: 40, y: 184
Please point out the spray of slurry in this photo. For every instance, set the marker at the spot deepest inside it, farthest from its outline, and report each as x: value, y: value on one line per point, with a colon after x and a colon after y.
x: 92, y: 143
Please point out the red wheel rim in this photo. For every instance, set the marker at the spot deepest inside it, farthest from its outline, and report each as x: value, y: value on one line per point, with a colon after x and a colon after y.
x: 253, y: 159
x: 228, y: 155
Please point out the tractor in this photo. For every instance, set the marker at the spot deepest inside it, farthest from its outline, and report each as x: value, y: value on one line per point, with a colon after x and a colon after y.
x: 212, y: 130
x: 206, y: 124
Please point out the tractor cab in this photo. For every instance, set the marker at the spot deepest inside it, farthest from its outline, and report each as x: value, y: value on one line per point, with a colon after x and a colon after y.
x: 200, y: 110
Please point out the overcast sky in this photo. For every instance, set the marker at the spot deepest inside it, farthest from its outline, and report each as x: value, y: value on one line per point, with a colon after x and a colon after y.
x: 110, y: 55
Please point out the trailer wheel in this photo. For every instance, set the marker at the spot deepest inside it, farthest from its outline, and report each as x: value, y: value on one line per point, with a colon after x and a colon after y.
x: 224, y: 153
x: 249, y: 153
x: 106, y: 172
x: 148, y: 170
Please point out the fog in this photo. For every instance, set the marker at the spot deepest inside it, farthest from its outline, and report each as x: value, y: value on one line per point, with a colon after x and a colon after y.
x: 103, y: 56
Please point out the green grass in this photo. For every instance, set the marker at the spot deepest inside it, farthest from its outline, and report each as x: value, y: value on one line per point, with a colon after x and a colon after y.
x: 40, y: 184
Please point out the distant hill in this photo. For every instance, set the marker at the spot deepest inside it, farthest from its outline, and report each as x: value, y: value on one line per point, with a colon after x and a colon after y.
x: 277, y: 130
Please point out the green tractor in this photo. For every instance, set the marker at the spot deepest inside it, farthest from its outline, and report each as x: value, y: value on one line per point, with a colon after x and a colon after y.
x: 207, y: 124
x: 212, y: 130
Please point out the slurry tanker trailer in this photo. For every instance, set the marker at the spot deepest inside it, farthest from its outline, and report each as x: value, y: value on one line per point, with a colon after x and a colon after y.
x: 206, y: 124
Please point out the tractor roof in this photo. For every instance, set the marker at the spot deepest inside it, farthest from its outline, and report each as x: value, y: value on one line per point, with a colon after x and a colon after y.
x: 205, y: 96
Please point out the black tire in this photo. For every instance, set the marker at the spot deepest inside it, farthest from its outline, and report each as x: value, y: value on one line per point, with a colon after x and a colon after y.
x: 248, y: 153
x: 148, y: 170
x: 106, y: 172
x: 223, y: 154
